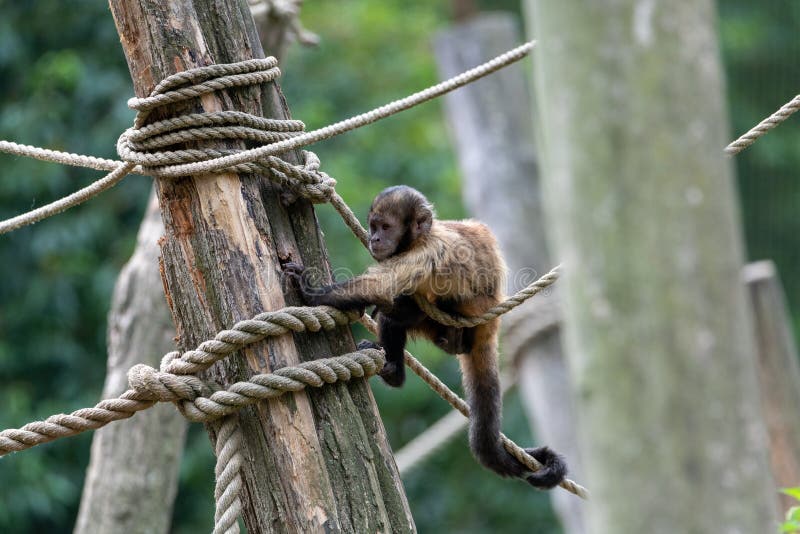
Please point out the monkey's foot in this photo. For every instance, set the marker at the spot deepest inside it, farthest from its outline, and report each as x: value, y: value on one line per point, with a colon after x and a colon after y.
x: 367, y: 344
x: 393, y: 374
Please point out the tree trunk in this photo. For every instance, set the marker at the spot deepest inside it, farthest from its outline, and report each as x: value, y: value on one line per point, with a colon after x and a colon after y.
x: 133, y: 471
x: 316, y: 460
x: 778, y: 372
x: 490, y: 122
x: 643, y: 211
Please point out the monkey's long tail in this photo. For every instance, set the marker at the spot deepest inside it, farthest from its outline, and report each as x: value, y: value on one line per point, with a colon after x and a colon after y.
x: 482, y: 386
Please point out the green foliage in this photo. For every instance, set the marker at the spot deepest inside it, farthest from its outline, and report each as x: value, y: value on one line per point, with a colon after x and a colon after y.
x: 66, y: 89
x: 791, y: 523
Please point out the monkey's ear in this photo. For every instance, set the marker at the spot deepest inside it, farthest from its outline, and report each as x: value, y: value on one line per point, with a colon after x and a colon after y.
x: 423, y: 221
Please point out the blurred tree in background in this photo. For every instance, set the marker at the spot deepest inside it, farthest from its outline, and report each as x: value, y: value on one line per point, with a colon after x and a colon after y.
x: 63, y: 85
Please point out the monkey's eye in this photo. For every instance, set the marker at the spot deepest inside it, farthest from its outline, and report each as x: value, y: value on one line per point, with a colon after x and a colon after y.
x: 384, y: 227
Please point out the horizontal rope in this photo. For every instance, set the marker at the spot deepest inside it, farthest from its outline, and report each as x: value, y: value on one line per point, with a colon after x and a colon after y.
x: 185, y: 385
x: 204, y: 405
x: 247, y: 332
x: 197, y: 400
x: 57, y: 156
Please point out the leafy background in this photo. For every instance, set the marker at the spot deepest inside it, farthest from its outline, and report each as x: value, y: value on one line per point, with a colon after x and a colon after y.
x: 66, y: 90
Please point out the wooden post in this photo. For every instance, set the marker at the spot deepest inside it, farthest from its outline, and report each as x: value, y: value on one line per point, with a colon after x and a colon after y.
x: 317, y: 460
x: 490, y: 123
x: 778, y: 373
x: 641, y: 204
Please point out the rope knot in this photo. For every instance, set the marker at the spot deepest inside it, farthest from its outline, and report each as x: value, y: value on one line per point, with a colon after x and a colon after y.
x: 152, y: 384
x: 304, y: 180
x: 155, y: 146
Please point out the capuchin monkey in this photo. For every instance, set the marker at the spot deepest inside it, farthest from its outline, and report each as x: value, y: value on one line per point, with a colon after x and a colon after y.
x: 457, y: 266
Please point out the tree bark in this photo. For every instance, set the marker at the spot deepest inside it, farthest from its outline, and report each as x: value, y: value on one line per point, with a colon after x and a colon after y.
x: 643, y: 211
x: 316, y: 460
x: 490, y: 122
x: 778, y: 373
x: 133, y: 471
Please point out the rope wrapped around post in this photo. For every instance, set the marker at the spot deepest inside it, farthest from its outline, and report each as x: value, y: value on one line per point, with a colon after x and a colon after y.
x: 175, y: 383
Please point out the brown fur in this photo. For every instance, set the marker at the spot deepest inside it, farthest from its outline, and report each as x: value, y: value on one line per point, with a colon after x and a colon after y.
x: 458, y: 266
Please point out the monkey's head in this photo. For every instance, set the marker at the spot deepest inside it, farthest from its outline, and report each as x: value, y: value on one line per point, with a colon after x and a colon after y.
x: 399, y: 216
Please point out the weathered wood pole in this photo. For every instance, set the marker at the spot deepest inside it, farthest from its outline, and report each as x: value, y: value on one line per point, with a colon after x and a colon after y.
x: 133, y: 471
x: 490, y: 123
x: 642, y: 208
x: 317, y: 460
x: 778, y: 373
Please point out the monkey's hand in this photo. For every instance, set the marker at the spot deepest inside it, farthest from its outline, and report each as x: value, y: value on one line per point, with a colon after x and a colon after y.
x: 553, y: 471
x: 297, y: 276
x: 294, y: 273
x: 393, y: 373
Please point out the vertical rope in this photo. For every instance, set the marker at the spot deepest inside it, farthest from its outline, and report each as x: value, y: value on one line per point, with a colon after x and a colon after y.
x: 227, y: 471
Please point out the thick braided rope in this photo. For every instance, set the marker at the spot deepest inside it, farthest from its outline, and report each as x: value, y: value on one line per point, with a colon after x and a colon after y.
x: 197, y: 400
x: 228, y: 476
x: 249, y: 331
x: 764, y: 126
x: 177, y: 384
x: 459, y: 404
x: 201, y: 402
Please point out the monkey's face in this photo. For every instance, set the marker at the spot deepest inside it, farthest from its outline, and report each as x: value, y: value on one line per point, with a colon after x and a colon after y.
x: 385, y: 235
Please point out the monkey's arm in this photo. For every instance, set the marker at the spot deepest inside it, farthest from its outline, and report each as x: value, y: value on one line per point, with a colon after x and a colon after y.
x: 379, y: 285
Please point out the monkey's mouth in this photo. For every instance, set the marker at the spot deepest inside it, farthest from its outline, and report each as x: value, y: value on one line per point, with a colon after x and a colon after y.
x: 379, y: 253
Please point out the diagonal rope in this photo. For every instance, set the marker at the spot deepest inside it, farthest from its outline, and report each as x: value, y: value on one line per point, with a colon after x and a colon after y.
x: 358, y: 121
x: 764, y: 126
x: 197, y: 82
x: 495, y: 311
x: 78, y: 197
x: 459, y: 404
